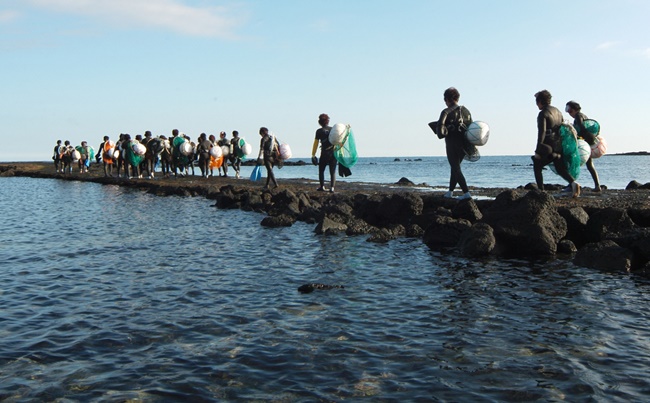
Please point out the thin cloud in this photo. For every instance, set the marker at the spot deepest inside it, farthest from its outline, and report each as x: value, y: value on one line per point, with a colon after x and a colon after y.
x: 608, y: 45
x: 8, y: 15
x: 165, y: 14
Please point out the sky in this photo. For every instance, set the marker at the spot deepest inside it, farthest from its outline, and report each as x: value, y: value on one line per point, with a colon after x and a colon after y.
x: 82, y: 69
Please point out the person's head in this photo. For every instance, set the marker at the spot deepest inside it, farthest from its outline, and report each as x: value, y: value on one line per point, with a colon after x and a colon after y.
x: 212, y: 138
x: 451, y: 95
x: 543, y: 98
x: 264, y: 131
x: 222, y: 135
x: 138, y: 137
x: 58, y: 142
x: 67, y: 142
x: 83, y: 143
x: 127, y: 137
x: 323, y: 119
x: 202, y: 136
x: 105, y: 138
x: 147, y: 133
x: 572, y: 108
x: 174, y: 132
x: 235, y: 133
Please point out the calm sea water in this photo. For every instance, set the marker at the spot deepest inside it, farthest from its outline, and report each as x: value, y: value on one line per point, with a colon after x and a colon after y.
x: 615, y: 171
x: 111, y: 294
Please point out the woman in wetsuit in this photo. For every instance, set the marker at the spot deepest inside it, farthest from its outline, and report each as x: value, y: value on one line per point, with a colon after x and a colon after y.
x: 573, y: 108
x: 451, y: 125
x: 549, y: 143
x: 269, y: 148
x: 327, y: 158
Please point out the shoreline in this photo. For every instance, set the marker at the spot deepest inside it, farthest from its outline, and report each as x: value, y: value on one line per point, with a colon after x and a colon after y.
x: 608, y: 230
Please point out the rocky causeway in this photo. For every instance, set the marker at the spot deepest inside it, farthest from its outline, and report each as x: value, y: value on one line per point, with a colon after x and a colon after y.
x: 607, y: 230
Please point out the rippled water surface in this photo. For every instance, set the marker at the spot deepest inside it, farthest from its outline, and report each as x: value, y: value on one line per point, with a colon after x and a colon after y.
x: 110, y: 294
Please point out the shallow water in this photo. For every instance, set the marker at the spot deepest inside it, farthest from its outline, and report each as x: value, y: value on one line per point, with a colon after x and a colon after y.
x: 112, y: 294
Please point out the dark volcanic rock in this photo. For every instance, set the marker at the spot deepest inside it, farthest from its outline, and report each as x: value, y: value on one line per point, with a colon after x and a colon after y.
x: 604, y: 255
x: 576, y: 219
x: 444, y: 232
x: 526, y: 226
x: 468, y: 210
x: 608, y: 222
x: 283, y: 220
x: 477, y: 241
x: 327, y: 226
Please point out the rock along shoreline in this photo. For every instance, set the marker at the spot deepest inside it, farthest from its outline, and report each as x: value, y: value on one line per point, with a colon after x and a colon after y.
x: 609, y: 230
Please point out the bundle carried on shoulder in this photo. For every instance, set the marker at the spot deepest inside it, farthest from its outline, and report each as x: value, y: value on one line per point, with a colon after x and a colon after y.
x: 570, y: 151
x: 345, y: 149
x: 478, y: 133
x: 139, y: 149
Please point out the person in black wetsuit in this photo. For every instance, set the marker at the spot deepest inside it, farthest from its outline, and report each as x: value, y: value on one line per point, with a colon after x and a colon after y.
x: 235, y: 153
x: 327, y: 158
x: 549, y: 143
x: 223, y: 141
x: 269, y: 149
x: 203, y: 147
x: 451, y: 125
x: 573, y: 108
x: 56, y: 157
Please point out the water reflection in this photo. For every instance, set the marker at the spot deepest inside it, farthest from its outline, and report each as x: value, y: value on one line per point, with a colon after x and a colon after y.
x: 134, y: 296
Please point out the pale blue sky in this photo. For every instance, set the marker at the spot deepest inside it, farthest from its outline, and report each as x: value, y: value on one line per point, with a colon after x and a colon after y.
x: 82, y: 69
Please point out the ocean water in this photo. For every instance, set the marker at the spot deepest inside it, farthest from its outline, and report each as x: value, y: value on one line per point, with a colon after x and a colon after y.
x: 615, y: 171
x: 112, y: 294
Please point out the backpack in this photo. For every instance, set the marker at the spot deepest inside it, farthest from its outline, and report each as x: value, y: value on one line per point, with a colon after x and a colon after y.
x: 458, y: 120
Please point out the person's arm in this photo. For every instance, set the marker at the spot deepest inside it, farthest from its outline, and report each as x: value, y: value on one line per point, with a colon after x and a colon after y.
x: 541, y: 127
x: 259, y: 156
x: 314, y: 148
x: 441, y: 130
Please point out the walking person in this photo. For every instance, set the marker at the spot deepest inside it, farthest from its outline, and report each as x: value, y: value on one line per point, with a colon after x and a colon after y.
x: 236, y: 152
x: 549, y: 143
x: 223, y: 141
x: 451, y: 126
x: 575, y: 111
x: 56, y: 157
x: 269, y: 149
x: 327, y: 158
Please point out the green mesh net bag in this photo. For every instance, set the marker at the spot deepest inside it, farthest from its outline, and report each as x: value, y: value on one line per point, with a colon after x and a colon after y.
x: 570, y: 151
x: 346, y: 153
x: 592, y: 126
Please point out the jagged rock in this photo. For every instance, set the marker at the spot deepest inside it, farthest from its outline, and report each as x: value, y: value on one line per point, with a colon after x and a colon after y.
x: 576, y: 219
x: 359, y: 227
x: 468, y: 210
x: 228, y: 199
x: 566, y: 246
x: 284, y: 202
x: 640, y: 216
x: 633, y: 185
x: 608, y: 223
x: 444, y: 232
x: 477, y: 241
x: 604, y: 255
x: 327, y: 226
x: 310, y: 215
x: 637, y: 240
x: 526, y: 226
x: 397, y: 208
x: 252, y: 201
x: 405, y: 182
x: 283, y: 220
x: 414, y: 231
x: 381, y: 236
